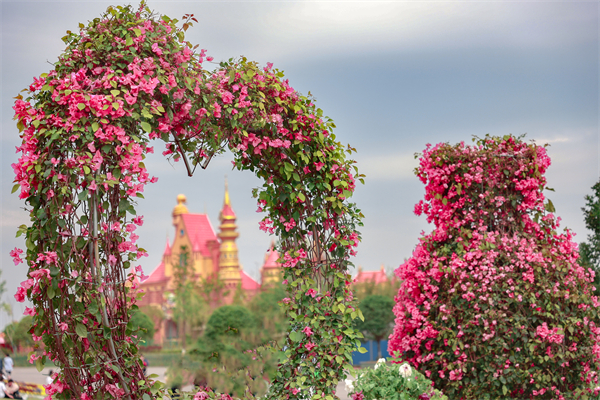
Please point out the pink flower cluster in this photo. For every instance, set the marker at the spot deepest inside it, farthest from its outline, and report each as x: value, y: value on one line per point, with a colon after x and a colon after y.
x: 494, y: 257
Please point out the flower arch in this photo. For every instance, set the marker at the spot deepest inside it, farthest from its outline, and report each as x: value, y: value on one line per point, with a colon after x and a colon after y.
x: 129, y: 77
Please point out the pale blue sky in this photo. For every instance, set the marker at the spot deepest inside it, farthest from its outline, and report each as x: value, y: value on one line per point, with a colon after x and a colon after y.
x: 393, y: 76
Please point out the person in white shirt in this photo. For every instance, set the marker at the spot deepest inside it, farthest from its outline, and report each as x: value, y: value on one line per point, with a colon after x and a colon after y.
x: 8, y: 365
x: 2, y: 389
x: 49, y: 378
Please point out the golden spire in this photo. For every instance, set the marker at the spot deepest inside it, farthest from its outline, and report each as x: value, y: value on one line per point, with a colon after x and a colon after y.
x: 226, y: 200
x: 180, y: 208
x: 229, y: 267
x: 227, y: 212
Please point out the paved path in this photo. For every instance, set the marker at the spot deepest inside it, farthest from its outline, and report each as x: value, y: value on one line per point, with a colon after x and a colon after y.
x: 31, y: 375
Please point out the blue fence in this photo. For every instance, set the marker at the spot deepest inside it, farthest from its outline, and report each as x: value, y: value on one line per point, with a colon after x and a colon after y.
x: 371, y: 354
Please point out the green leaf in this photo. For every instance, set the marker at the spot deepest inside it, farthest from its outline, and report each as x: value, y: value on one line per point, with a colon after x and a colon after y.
x: 362, y: 350
x: 504, y: 390
x: 39, y: 364
x: 146, y: 127
x: 51, y: 292
x: 295, y: 336
x: 81, y: 330
x: 83, y: 195
x: 360, y: 315
x: 128, y: 41
x: 15, y: 188
x: 81, y: 106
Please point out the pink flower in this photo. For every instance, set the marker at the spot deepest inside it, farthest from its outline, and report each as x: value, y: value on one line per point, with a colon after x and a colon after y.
x: 40, y: 273
x: 227, y: 97
x: 201, y: 395
x: 358, y: 396
x: 311, y: 292
x: 309, y: 346
x: 116, y: 392
x: 63, y: 326
x: 156, y: 49
x: 20, y: 295
x: 28, y: 283
x: 92, y: 186
x: 307, y: 331
x: 16, y: 255
x: 29, y: 311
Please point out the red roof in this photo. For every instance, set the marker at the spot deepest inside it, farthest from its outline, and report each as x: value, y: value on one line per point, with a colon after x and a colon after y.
x: 158, y: 275
x: 227, y: 211
x: 371, y: 276
x: 248, y: 283
x: 271, y: 259
x: 200, y: 232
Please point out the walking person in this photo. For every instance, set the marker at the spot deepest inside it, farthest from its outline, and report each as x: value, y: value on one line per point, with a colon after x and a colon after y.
x: 8, y: 364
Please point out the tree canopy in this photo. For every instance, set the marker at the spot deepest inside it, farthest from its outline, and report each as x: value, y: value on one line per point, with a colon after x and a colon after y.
x: 590, y: 250
x: 379, y: 318
x: 144, y: 325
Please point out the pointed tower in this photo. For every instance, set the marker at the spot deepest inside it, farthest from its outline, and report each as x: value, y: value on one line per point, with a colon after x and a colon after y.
x: 229, y: 265
x: 270, y: 272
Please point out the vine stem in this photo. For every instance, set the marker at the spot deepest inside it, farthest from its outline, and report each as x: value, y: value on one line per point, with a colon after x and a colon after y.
x: 187, y: 165
x: 95, y: 260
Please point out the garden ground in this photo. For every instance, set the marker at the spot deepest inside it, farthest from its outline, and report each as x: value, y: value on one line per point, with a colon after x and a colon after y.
x: 31, y: 375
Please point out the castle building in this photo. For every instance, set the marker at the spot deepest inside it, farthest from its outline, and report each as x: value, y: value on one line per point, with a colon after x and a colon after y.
x: 209, y: 258
x: 374, y: 277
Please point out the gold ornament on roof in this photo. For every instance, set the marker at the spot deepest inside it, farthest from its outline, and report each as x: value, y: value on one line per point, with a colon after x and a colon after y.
x: 180, y: 208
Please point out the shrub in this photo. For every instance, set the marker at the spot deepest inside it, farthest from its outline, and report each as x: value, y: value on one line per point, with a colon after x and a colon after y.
x: 392, y: 382
x: 493, y: 303
x: 143, y: 327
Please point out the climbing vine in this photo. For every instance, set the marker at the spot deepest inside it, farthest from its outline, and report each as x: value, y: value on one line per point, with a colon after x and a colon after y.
x: 125, y: 79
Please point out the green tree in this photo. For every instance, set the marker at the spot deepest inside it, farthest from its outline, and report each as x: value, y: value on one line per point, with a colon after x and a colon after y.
x: 18, y: 333
x: 590, y: 250
x: 3, y: 304
x: 379, y: 318
x: 144, y: 326
x: 389, y: 288
x: 190, y: 305
x: 265, y: 307
x: 227, y: 350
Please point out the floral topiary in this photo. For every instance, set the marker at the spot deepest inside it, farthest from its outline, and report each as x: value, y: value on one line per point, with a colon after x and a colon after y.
x: 493, y: 302
x: 392, y: 382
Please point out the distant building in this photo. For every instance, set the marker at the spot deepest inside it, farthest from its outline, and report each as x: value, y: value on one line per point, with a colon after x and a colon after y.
x: 211, y: 258
x: 376, y: 277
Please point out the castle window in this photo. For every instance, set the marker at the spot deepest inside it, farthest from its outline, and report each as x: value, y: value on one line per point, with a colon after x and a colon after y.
x: 181, y: 232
